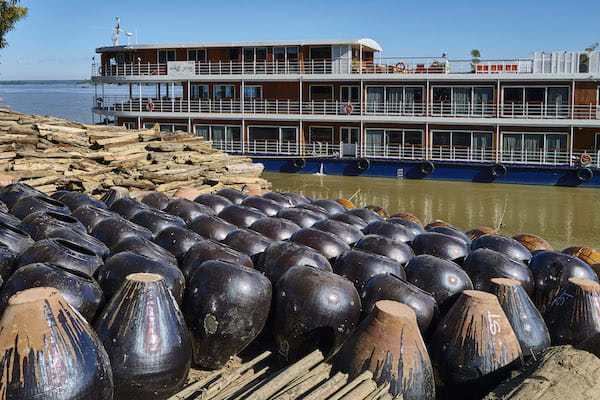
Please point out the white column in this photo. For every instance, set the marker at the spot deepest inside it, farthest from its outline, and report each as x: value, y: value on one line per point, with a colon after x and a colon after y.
x: 242, y: 96
x: 188, y: 95
x: 173, y: 94
x: 243, y: 135
x: 571, y: 148
x: 498, y: 143
x: 360, y: 59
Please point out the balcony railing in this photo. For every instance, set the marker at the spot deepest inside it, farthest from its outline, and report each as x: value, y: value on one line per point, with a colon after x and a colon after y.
x: 463, y: 153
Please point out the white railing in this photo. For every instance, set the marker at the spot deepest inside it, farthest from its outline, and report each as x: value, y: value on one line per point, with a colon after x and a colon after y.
x: 230, y: 146
x: 534, y: 156
x: 594, y: 155
x: 406, y: 152
x: 462, y: 153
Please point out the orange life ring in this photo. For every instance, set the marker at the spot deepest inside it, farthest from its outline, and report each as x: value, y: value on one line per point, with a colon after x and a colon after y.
x: 348, y: 108
x: 585, y: 159
x: 400, y: 67
x: 150, y: 105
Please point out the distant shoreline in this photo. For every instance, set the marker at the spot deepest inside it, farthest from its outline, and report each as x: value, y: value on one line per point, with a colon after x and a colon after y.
x: 47, y: 82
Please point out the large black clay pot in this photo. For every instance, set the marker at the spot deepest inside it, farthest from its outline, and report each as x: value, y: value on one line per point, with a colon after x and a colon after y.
x: 10, y: 194
x: 269, y: 207
x: 79, y: 289
x: 444, y: 279
x: 452, y: 231
x: 442, y: 246
x: 248, y: 242
x: 301, y: 217
x: 275, y: 228
x: 13, y: 238
x: 212, y: 227
x: 112, y: 275
x: 63, y: 253
x: 82, y: 239
x: 115, y: 194
x: 281, y: 256
x: 74, y: 200
x: 342, y: 230
x: 283, y: 200
x: 350, y: 219
x: 9, y: 219
x: 233, y: 195
x: 177, y: 241
x: 50, y: 352
x: 127, y: 208
x: 332, y: 206
x: 157, y: 200
x: 144, y: 247
x: 320, y: 211
x: 3, y: 207
x: 503, y: 244
x: 397, y: 251
x: 358, y: 266
x: 551, y: 272
x: 188, y: 210
x: 145, y: 336
x: 369, y: 216
x: 226, y: 307
x: 214, y: 201
x: 324, y: 242
x: 524, y: 318
x: 297, y: 198
x: 392, y: 287
x: 240, y: 216
x: 437, y: 222
x: 484, y: 264
x: 208, y: 250
x: 390, y: 230
x: 312, y: 308
x: 42, y: 224
x: 155, y: 221
x: 7, y: 260
x: 90, y: 216
x: 412, y: 226
x: 111, y: 231
x: 30, y: 204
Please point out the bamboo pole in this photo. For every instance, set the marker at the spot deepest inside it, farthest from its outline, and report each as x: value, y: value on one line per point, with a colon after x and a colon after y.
x: 354, y: 383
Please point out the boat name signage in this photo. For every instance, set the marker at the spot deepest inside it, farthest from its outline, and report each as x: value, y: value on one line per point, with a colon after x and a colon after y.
x: 181, y: 68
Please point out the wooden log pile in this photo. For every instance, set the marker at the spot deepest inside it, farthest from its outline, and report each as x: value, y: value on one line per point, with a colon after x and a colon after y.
x: 53, y: 154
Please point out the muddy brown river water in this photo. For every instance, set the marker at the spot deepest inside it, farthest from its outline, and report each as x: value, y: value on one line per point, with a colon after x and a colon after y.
x: 563, y: 216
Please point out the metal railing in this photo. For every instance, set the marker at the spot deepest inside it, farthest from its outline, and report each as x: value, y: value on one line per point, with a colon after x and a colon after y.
x: 462, y: 153
x: 393, y: 151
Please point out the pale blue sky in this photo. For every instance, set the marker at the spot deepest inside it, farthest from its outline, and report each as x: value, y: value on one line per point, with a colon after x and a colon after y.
x: 58, y: 38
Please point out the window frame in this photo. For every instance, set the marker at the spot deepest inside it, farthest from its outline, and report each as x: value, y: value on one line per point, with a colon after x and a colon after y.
x: 260, y: 87
x: 225, y: 98
x: 168, y: 53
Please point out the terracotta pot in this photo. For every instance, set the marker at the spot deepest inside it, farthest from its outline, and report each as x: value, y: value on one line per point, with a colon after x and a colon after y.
x: 29, y: 204
x: 504, y: 245
x: 437, y: 222
x: 333, y: 207
x: 301, y: 217
x: 484, y: 264
x: 9, y: 219
x: 177, y: 240
x: 214, y: 201
x: 281, y: 256
x: 359, y: 266
x: 74, y: 200
x: 444, y: 279
x: 475, y: 233
x: 248, y: 242
x: 325, y: 243
x: 50, y: 351
x: 157, y: 200
x: 90, y: 216
x: 208, y: 250
x: 144, y: 247
x: 146, y: 339
x: 297, y: 198
x: 452, y: 231
x: 350, y: 219
x: 346, y: 203
x: 234, y: 195
x: 379, y: 210
x: 551, y: 271
x: 155, y: 221
x: 320, y: 211
x: 281, y: 199
x: 442, y: 246
x: 188, y: 210
x: 115, y: 193
x: 388, y: 344
x: 7, y: 260
x: 524, y: 317
x: 127, y: 208
x: 223, y: 314
x: 474, y: 346
x: 111, y: 231
x: 269, y: 207
x: 9, y: 194
x: 392, y: 287
x: 312, y: 309
x: 275, y: 228
x: 409, y: 217
x: 13, y: 238
x: 112, y: 275
x: 412, y: 226
x: 241, y: 216
x: 574, y: 315
x: 63, y: 253
x: 590, y: 256
x: 41, y: 224
x: 366, y: 215
x: 393, y: 231
x: 532, y: 242
x: 397, y: 251
x: 346, y: 232
x: 212, y: 227
x: 78, y: 288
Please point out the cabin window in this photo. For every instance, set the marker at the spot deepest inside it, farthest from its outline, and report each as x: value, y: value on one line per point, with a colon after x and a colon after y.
x: 279, y: 53
x: 167, y: 127
x: 224, y: 91
x: 197, y: 55
x: 199, y: 91
x: 292, y: 52
x: 320, y: 53
x: 350, y: 93
x: 288, y: 134
x: 253, y: 92
x: 532, y: 147
x: 321, y: 92
x: 442, y: 94
x: 120, y: 58
x: 166, y: 55
x: 261, y: 54
x: 263, y: 133
x: 322, y: 134
x: 283, y: 53
x: 248, y: 54
x: 234, y: 54
x: 536, y: 100
x: 584, y: 63
x: 218, y: 132
x: 479, y: 141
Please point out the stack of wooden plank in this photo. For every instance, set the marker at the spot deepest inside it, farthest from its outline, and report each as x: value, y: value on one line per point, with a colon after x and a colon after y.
x: 52, y: 154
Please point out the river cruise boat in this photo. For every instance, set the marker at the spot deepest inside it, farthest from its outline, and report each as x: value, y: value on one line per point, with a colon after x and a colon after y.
x: 340, y: 107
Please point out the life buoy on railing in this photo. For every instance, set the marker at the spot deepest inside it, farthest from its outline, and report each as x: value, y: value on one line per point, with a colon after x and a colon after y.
x: 584, y: 175
x: 400, y: 67
x: 427, y: 167
x: 498, y: 170
x: 299, y: 163
x: 150, y: 105
x: 348, y: 108
x: 585, y: 160
x: 363, y: 164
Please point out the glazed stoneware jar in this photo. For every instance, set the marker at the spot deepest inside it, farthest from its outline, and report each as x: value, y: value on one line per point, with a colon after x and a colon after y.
x: 90, y: 216
x: 144, y: 247
x: 590, y: 256
x: 74, y: 200
x: 234, y: 195
x: 301, y: 217
x: 367, y: 215
x: 408, y: 216
x: 333, y: 207
x: 504, y: 245
x: 14, y: 239
x: 275, y: 228
x: 177, y: 240
x: 208, y: 250
x: 241, y: 216
x: 42, y: 224
x: 411, y: 225
x: 50, y: 352
x: 350, y: 219
x: 344, y: 231
x: 475, y: 233
x: 147, y: 341
x: 30, y: 204
x: 284, y: 200
x: 269, y: 207
x: 188, y: 210
x: 397, y: 251
x: 281, y: 256
x: 212, y: 227
x: 452, y: 231
x: 127, y: 207
x: 532, y: 242
x: 157, y: 200
x: 388, y: 343
x: 328, y: 244
x: 390, y: 230
x: 440, y: 245
x: 214, y: 201
x: 155, y: 221
x: 358, y: 266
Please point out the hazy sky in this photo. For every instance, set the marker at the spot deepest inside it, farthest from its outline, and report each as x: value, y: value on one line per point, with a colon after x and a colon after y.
x: 58, y: 38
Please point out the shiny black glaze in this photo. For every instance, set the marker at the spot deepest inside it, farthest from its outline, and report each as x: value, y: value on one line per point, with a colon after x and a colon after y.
x: 157, y: 200
x: 484, y: 264
x: 358, y: 266
x: 78, y: 289
x: 188, y: 210
x: 113, y: 195
x: 444, y: 279
x: 350, y: 219
x: 440, y: 245
x: 214, y: 201
x: 397, y: 251
x: 269, y: 207
x: 314, y: 208
x: 248, y: 242
x: 282, y: 199
x: 14, y: 238
x: 503, y: 244
x: 3, y: 207
x: 392, y: 287
x: 332, y: 206
x: 297, y: 198
x: 9, y: 219
x: 281, y: 256
x: 30, y: 204
x: 452, y: 231
x: 63, y: 253
x: 275, y: 228
x: 525, y: 319
x: 234, y: 195
x: 365, y: 214
x: 9, y: 194
x: 127, y: 207
x: 390, y: 230
x: 90, y: 216
x: 324, y: 242
x: 212, y: 227
x: 41, y: 224
x: 155, y: 221
x: 225, y: 307
x: 551, y: 272
x: 342, y: 230
x: 301, y: 217
x: 208, y: 250
x: 82, y: 239
x: 112, y: 275
x: 74, y: 200
x: 147, y: 341
x: 7, y: 260
x: 312, y: 308
x: 145, y: 247
x: 177, y: 240
x: 241, y: 216
x: 415, y: 228
x: 111, y: 231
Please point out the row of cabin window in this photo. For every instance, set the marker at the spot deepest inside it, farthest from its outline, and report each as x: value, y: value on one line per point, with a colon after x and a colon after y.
x: 224, y: 92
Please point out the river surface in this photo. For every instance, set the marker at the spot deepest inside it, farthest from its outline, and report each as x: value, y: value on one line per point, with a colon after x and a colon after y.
x: 563, y: 216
